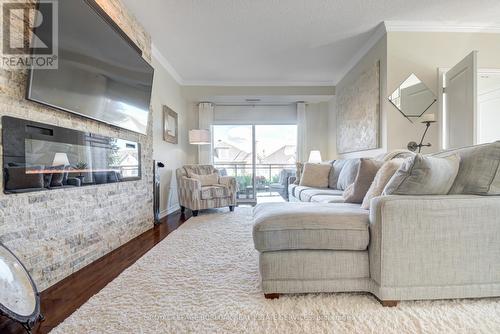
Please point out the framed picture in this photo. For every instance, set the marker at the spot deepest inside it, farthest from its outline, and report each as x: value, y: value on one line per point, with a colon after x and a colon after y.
x: 170, y: 123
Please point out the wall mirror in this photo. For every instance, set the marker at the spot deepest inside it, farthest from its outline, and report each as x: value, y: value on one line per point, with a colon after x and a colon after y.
x: 412, y: 98
x: 19, y: 298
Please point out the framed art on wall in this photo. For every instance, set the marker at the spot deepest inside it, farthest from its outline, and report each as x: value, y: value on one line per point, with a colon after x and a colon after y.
x: 358, y: 112
x: 170, y: 125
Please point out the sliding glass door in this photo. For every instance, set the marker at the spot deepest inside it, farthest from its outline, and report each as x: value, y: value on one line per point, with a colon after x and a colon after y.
x: 233, y: 148
x: 261, y: 157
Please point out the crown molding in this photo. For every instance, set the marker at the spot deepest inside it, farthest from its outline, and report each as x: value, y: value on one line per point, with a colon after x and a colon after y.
x: 260, y: 83
x: 379, y: 32
x: 435, y: 26
x: 166, y: 65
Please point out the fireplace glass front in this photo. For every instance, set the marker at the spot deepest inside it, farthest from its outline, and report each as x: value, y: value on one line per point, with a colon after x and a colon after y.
x: 38, y: 157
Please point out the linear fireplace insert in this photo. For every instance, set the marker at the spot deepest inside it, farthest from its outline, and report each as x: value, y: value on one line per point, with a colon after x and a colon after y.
x: 39, y: 156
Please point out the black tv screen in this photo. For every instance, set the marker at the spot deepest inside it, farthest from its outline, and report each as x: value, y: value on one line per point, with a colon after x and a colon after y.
x: 100, y: 74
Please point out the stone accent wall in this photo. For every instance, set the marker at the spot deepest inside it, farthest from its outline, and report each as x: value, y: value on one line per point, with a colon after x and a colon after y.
x: 56, y: 233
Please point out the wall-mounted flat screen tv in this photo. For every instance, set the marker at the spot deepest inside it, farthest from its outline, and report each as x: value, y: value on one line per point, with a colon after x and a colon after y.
x: 101, y: 73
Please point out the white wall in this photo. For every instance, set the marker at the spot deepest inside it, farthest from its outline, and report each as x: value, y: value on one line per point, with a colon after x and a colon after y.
x: 317, y: 129
x: 166, y: 91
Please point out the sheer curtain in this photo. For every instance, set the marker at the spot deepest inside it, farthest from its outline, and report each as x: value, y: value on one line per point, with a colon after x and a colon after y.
x: 205, y: 121
x: 301, y: 132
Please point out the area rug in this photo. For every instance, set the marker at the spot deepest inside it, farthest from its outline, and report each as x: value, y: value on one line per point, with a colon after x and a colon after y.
x: 204, y: 278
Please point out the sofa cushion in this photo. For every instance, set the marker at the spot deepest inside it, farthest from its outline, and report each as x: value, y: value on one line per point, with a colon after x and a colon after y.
x: 424, y: 175
x: 298, y: 189
x: 479, y: 172
x: 307, y: 194
x: 348, y: 173
x: 335, y: 172
x: 383, y: 176
x: 357, y: 190
x: 205, y: 179
x: 283, y: 226
x: 209, y: 192
x: 315, y: 175
x: 328, y: 199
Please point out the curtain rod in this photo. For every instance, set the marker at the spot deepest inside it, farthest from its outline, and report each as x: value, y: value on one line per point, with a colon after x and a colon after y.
x: 253, y: 105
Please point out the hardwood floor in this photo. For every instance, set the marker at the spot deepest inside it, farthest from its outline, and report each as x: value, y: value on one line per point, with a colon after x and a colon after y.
x: 63, y: 298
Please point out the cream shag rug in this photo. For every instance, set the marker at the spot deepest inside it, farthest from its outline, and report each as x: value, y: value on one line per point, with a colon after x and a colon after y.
x: 204, y: 278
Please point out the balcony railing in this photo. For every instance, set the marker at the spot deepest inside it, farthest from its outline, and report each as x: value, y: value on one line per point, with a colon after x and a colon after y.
x: 266, y: 175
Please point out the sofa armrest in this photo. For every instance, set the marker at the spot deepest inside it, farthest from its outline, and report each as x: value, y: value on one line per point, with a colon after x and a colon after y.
x: 189, y: 184
x: 228, y: 181
x: 434, y: 240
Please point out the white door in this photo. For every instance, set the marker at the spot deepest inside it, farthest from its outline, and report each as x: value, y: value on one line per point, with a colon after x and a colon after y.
x: 461, y: 103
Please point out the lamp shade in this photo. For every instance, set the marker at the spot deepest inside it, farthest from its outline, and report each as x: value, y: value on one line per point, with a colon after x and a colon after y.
x: 199, y: 137
x: 315, y: 157
x: 60, y: 159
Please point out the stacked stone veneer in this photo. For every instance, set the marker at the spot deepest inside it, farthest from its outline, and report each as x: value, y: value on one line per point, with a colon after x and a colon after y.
x: 56, y: 233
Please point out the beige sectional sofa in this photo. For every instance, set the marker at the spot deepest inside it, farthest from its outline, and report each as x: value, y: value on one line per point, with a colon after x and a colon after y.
x: 342, y: 173
x: 403, y: 248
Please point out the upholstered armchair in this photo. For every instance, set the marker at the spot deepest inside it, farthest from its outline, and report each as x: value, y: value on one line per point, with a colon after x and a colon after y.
x: 196, y: 192
x: 281, y: 187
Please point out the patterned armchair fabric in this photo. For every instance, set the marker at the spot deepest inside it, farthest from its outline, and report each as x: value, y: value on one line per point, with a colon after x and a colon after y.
x: 195, y: 197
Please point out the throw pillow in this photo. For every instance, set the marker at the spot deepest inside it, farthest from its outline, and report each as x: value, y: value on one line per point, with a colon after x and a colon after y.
x: 348, y: 173
x: 335, y: 172
x: 396, y: 154
x: 206, y: 180
x: 424, y: 175
x: 367, y: 169
x: 479, y: 172
x: 383, y: 176
x: 315, y: 175
x: 298, y: 173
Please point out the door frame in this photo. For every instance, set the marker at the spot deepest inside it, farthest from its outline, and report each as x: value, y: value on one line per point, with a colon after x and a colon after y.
x: 442, y: 105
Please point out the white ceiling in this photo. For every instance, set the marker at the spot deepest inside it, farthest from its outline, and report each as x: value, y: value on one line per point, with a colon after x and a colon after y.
x: 280, y: 42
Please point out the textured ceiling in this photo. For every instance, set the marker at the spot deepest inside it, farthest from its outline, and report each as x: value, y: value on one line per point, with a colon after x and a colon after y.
x: 283, y: 41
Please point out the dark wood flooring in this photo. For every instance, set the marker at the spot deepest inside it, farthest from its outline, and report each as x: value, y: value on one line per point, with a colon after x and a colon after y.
x: 63, y: 298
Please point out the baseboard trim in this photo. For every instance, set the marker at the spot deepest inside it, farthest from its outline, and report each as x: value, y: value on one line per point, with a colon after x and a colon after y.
x: 169, y: 211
